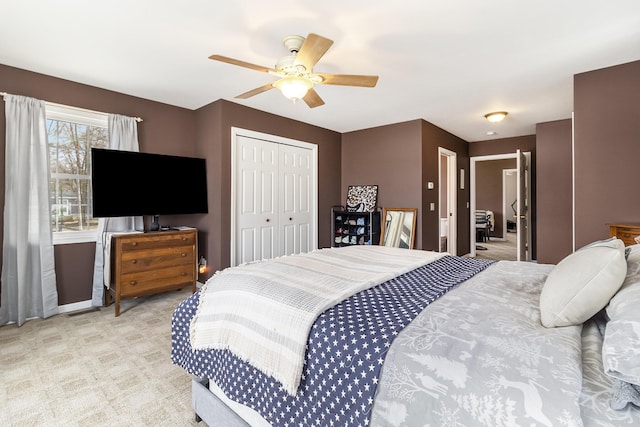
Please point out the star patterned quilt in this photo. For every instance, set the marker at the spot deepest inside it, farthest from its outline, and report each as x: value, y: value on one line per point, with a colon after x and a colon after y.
x: 346, y: 350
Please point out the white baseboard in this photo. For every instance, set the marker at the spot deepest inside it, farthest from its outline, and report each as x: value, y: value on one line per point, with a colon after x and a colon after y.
x: 67, y: 308
x: 83, y: 305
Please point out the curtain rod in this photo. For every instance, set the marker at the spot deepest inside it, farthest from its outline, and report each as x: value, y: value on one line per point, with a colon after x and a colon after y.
x: 137, y: 119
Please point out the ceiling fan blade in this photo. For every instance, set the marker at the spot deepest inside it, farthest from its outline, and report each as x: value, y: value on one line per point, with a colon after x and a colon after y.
x: 313, y: 99
x: 348, y: 80
x: 240, y: 63
x: 255, y: 91
x: 312, y: 49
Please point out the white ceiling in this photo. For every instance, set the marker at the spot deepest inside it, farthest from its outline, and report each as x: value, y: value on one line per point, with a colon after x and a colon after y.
x: 448, y: 62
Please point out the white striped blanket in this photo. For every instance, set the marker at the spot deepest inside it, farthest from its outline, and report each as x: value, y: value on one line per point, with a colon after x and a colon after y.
x: 263, y: 311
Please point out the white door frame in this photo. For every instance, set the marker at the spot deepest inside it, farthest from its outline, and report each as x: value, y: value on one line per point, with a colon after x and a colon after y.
x: 452, y: 193
x: 472, y: 195
x: 235, y: 133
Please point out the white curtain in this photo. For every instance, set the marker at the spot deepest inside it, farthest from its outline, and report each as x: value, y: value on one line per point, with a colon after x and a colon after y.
x: 28, y: 267
x: 123, y: 135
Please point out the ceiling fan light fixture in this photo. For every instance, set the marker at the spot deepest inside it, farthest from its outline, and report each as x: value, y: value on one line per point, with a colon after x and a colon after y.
x: 293, y: 88
x: 496, y: 116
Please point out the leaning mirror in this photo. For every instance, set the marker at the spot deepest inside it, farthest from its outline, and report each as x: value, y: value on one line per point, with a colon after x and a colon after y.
x: 398, y: 227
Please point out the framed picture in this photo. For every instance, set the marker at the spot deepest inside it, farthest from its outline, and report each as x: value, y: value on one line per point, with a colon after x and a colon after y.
x: 362, y: 198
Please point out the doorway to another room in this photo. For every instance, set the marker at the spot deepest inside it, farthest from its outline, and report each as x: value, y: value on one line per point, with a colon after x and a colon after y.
x: 500, y: 192
x: 447, y: 194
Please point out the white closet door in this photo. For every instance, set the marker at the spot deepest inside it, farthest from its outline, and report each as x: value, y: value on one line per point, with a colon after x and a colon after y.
x: 274, y: 194
x: 295, y: 199
x: 256, y: 169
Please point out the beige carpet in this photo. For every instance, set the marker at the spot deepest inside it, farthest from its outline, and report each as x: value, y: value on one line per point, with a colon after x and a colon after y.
x: 94, y: 369
x: 499, y: 250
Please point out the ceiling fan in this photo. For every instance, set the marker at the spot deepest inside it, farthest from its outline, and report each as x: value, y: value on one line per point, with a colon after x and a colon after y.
x: 295, y: 71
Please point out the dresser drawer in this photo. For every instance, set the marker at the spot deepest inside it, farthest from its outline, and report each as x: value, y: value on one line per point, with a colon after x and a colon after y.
x: 159, y: 240
x: 139, y: 283
x: 144, y: 260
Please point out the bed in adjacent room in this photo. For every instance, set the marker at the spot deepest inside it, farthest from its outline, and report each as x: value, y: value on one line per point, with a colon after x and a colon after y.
x: 399, y: 337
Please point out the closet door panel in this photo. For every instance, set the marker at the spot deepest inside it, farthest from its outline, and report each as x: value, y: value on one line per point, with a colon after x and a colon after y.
x: 257, y: 200
x: 295, y: 192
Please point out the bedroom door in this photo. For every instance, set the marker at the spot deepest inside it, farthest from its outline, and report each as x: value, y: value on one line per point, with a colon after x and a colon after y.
x: 447, y: 194
x: 273, y: 196
x: 522, y: 215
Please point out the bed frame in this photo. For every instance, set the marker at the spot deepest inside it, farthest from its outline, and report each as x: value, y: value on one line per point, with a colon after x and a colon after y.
x: 210, y: 409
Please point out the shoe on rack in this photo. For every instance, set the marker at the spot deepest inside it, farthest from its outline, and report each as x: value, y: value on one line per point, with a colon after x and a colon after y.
x: 345, y: 239
x: 361, y: 220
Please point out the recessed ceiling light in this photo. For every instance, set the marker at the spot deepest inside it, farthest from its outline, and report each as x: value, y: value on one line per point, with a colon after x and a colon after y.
x: 496, y: 116
x: 491, y: 133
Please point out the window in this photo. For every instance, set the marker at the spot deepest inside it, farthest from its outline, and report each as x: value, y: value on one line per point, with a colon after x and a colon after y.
x: 71, y: 133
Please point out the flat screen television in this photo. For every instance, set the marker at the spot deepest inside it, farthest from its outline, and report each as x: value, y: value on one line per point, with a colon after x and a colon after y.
x: 126, y: 183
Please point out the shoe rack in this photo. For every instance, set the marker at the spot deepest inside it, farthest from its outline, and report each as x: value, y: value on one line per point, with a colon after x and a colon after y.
x: 354, y: 228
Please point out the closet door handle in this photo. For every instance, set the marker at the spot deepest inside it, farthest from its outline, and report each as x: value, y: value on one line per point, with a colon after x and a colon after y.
x: 290, y: 219
x: 268, y: 220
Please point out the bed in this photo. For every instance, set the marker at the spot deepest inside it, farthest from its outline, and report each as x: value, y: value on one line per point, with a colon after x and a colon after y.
x: 455, y: 341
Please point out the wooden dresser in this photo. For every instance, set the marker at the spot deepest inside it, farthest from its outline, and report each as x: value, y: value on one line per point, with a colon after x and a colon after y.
x: 148, y: 263
x: 625, y: 232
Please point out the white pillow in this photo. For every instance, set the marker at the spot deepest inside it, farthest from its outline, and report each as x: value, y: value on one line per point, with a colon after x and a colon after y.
x: 621, y: 347
x: 583, y: 283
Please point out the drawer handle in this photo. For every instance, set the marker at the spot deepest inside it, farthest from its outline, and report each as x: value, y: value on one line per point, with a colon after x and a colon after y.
x: 134, y: 243
x: 184, y: 238
x: 183, y: 254
x: 183, y: 274
x: 133, y: 283
x: 134, y: 261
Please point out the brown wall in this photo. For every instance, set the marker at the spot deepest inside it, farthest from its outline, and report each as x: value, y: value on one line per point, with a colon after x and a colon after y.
x: 401, y: 159
x: 432, y: 138
x: 607, y: 149
x: 166, y: 129
x: 172, y: 130
x: 553, y: 192
x: 387, y: 156
x: 507, y: 146
x: 607, y: 131
x: 489, y: 191
x: 214, y: 123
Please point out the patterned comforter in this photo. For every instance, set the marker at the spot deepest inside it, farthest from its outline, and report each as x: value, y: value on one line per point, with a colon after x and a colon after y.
x: 346, y: 349
x: 263, y: 311
x: 478, y: 356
